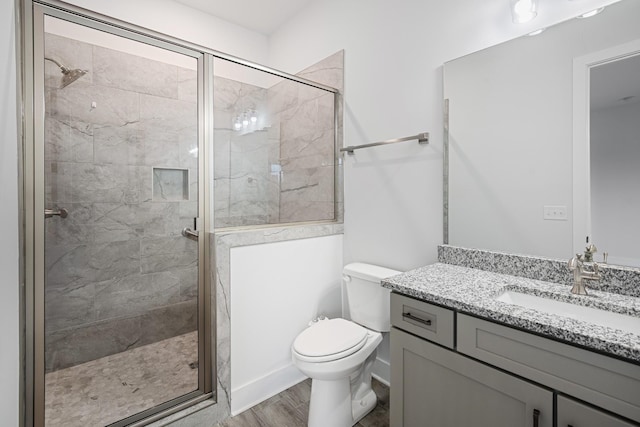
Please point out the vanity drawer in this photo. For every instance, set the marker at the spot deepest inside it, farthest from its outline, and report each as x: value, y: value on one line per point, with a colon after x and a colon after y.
x: 423, y: 319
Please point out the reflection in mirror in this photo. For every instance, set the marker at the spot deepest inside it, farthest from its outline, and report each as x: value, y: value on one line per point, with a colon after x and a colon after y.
x: 511, y: 131
x: 614, y: 153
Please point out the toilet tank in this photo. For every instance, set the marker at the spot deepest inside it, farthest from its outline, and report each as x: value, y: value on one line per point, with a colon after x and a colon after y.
x: 368, y: 301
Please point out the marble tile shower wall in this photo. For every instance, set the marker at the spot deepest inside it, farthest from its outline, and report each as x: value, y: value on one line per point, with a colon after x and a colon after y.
x: 245, y: 190
x: 281, y: 169
x: 119, y: 275
x: 307, y: 145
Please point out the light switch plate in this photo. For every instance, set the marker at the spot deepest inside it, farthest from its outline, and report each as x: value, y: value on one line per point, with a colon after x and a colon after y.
x: 555, y: 213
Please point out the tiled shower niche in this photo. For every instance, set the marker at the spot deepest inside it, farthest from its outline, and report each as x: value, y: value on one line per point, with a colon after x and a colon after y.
x: 170, y: 184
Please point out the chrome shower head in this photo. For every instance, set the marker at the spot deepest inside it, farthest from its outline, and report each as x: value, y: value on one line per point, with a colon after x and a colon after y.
x: 68, y: 76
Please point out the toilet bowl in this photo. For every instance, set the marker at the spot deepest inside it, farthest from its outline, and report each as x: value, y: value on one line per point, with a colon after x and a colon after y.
x: 341, y: 391
x: 328, y: 359
x: 338, y: 354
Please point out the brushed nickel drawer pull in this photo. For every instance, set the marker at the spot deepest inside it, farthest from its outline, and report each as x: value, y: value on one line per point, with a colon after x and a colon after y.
x: 417, y: 319
x: 536, y: 416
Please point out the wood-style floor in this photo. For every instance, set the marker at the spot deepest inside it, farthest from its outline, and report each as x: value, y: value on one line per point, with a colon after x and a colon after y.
x: 291, y: 408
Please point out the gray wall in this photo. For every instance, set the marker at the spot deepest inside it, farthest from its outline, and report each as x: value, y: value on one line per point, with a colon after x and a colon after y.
x: 119, y: 274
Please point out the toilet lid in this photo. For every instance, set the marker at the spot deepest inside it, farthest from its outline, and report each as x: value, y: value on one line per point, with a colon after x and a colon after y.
x: 330, y: 337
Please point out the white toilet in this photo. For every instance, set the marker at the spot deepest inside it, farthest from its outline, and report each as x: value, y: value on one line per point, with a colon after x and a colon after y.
x: 338, y: 354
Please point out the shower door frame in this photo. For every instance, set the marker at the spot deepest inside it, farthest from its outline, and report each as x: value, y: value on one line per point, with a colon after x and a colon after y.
x: 33, y: 190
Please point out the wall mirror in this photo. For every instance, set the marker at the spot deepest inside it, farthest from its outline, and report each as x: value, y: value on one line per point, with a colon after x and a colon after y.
x: 521, y: 175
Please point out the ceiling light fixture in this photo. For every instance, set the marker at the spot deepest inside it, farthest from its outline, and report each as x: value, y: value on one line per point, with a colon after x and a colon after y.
x: 523, y: 10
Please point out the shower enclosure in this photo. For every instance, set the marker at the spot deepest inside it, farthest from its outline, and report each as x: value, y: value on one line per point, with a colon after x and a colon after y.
x: 121, y: 312
x: 137, y: 147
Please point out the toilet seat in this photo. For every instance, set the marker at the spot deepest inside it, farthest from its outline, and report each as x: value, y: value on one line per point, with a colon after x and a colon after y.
x: 329, y: 340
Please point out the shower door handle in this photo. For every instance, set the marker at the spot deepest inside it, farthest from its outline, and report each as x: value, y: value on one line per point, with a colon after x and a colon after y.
x: 190, y: 234
x: 61, y: 212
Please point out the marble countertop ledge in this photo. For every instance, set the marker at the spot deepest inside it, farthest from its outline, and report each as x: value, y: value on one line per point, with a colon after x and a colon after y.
x: 473, y: 291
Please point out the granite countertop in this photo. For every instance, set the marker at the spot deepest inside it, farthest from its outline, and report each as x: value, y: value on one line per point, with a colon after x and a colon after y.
x: 473, y: 291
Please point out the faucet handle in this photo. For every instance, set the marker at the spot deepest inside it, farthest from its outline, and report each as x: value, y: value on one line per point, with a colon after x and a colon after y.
x: 605, y: 255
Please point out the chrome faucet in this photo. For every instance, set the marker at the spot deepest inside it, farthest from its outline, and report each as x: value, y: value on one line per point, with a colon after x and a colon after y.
x: 576, y: 265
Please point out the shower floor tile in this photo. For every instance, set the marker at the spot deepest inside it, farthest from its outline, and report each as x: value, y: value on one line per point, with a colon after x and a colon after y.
x: 111, y: 388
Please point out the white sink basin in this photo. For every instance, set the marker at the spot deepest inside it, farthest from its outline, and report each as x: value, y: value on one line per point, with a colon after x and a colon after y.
x: 587, y: 314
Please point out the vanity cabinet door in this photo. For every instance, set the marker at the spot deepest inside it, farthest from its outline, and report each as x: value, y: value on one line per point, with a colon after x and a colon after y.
x: 575, y: 414
x: 434, y: 387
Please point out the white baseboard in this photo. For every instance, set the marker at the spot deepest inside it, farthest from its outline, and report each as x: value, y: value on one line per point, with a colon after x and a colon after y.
x: 382, y: 371
x: 261, y: 389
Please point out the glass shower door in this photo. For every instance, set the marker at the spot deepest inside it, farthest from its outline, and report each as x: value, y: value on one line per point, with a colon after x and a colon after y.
x: 122, y: 295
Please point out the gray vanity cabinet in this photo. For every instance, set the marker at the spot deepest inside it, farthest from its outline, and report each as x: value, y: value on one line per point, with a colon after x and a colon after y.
x: 572, y: 413
x: 433, y: 386
x: 450, y: 370
x: 599, y: 380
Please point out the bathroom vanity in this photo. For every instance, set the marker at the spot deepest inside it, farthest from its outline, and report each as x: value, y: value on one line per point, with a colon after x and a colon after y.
x: 466, y: 351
